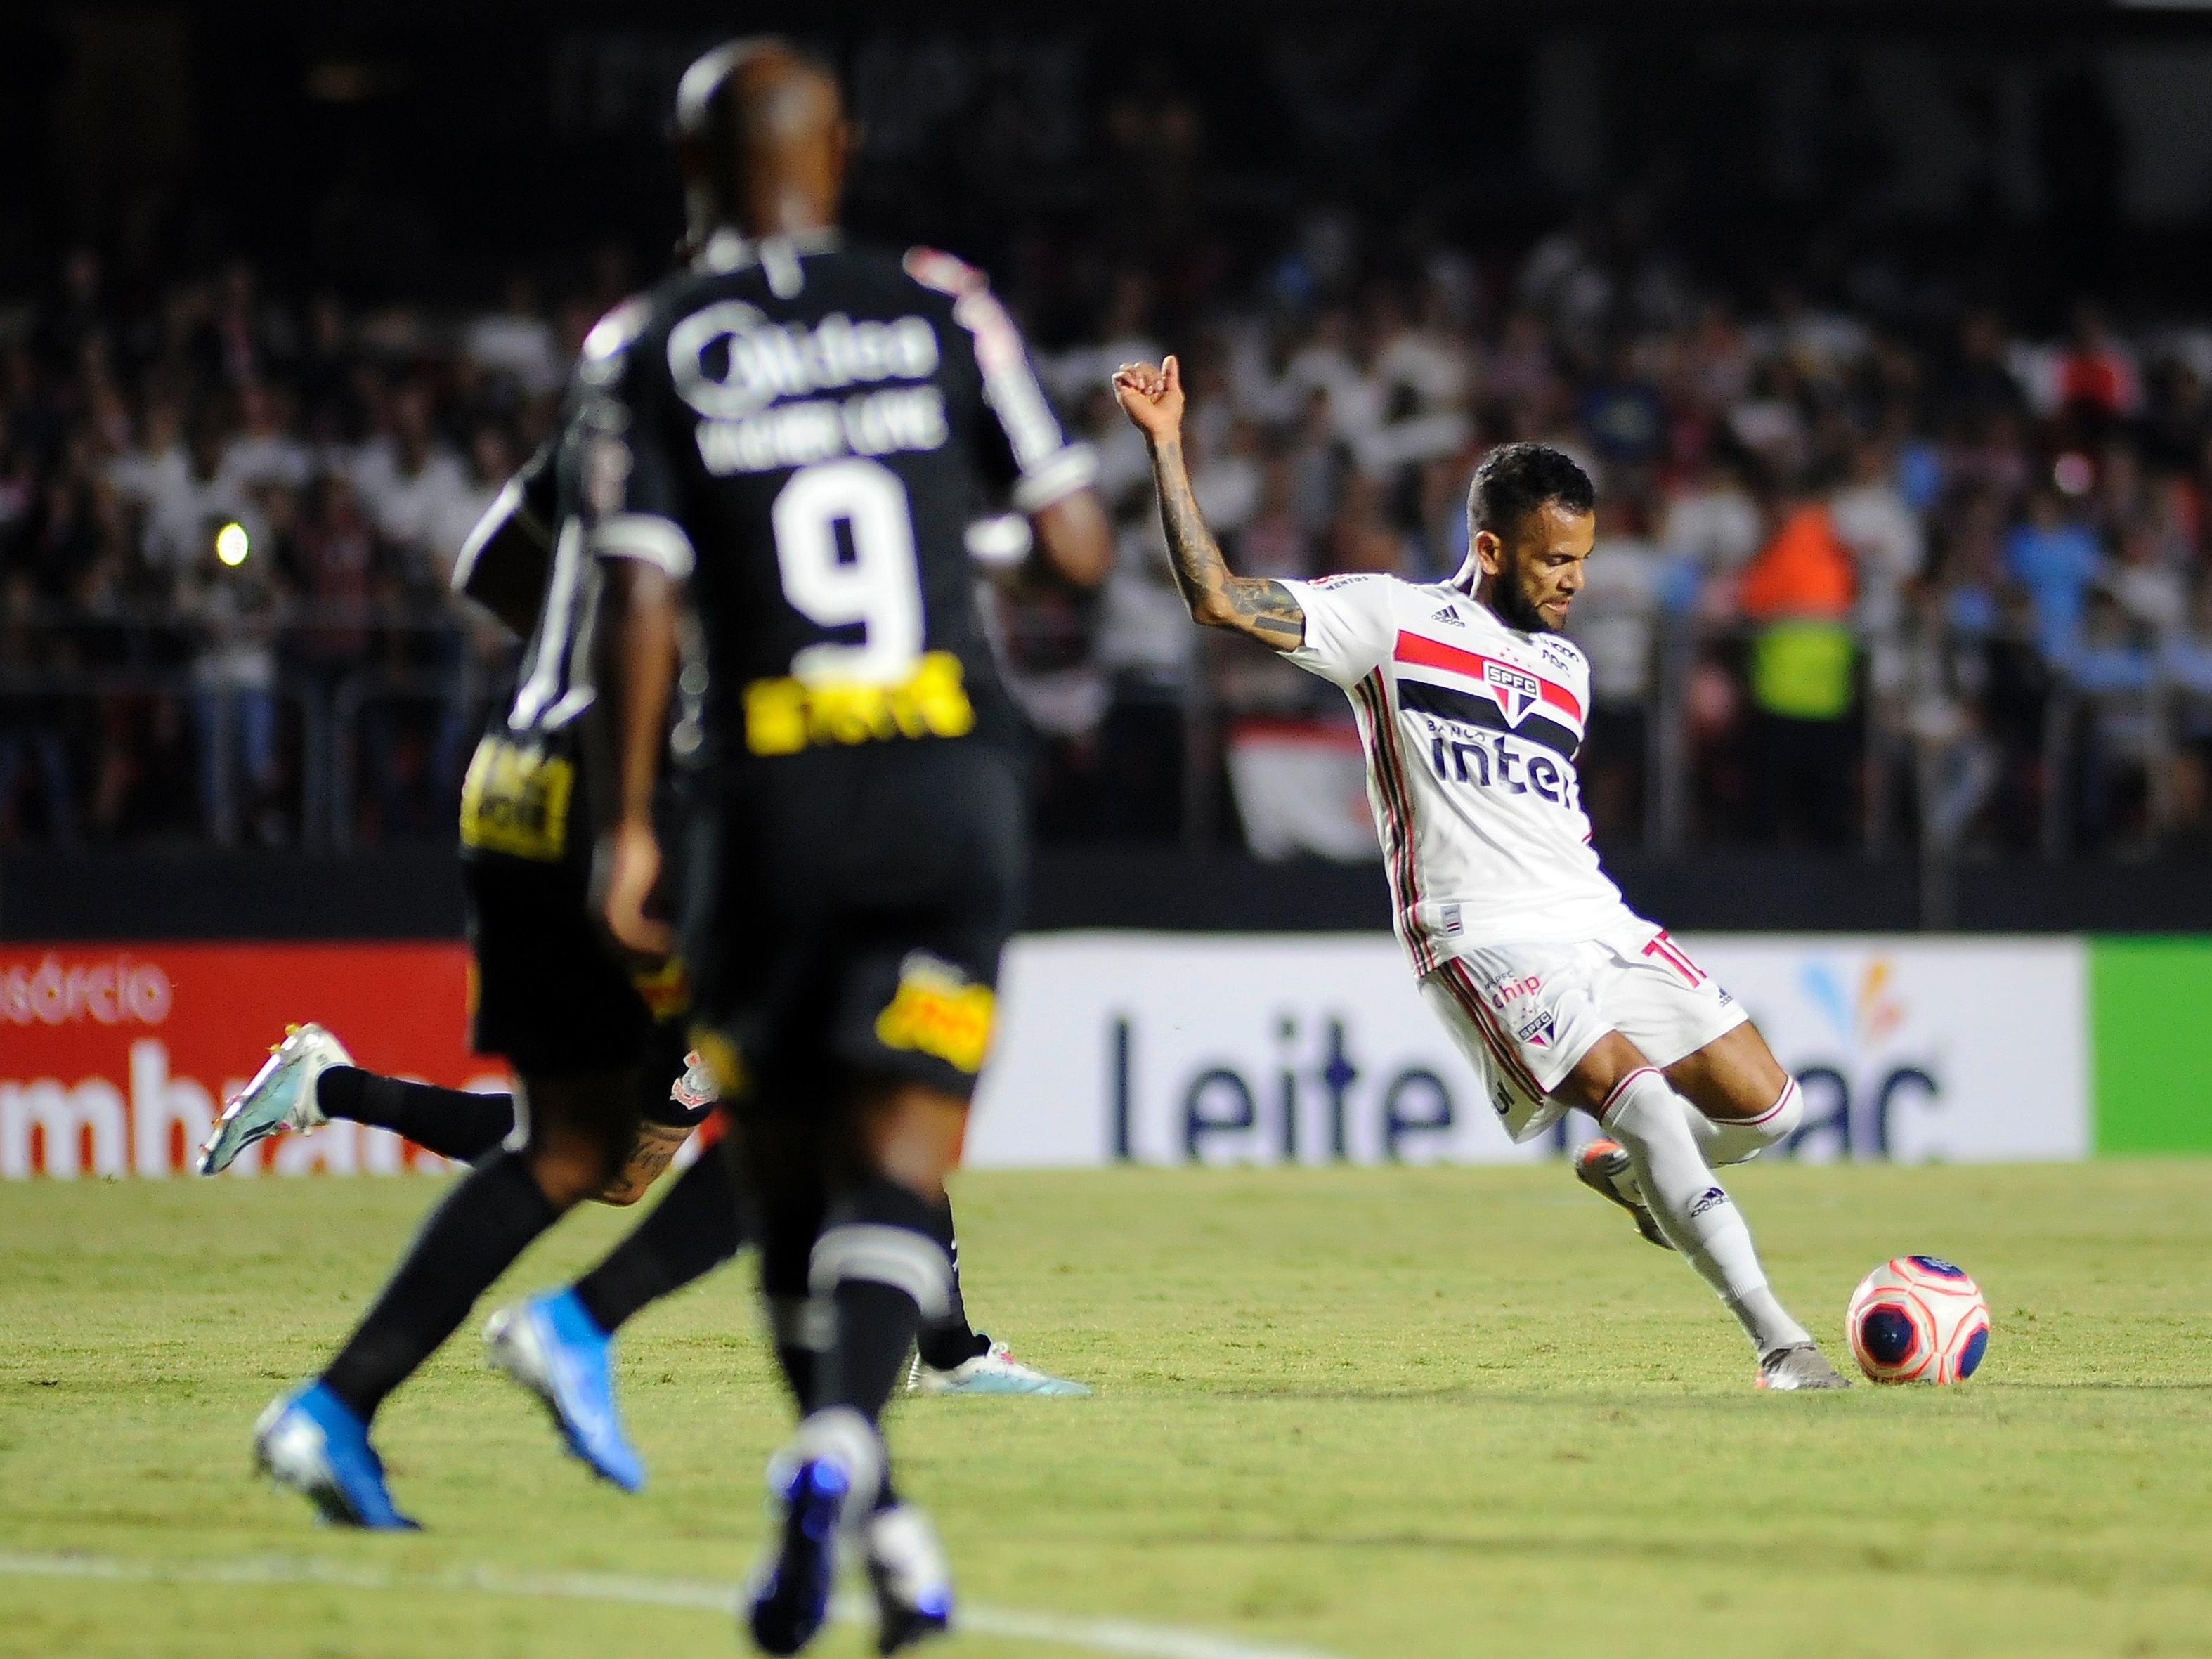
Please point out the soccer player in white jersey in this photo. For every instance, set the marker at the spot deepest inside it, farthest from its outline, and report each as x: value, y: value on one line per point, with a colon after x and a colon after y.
x: 1471, y: 710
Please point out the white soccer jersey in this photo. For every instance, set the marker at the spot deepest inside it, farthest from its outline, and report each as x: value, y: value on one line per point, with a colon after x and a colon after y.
x: 1471, y: 729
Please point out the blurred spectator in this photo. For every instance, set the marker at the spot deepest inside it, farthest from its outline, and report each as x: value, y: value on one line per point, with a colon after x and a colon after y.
x: 337, y: 563
x: 2054, y: 558
x: 264, y: 450
x: 2149, y: 590
x: 412, y: 486
x: 1275, y: 543
x: 1615, y: 621
x: 1800, y: 590
x: 2108, y: 663
x: 1713, y: 523
x: 34, y: 733
x: 1363, y: 538
x: 234, y: 595
x: 517, y: 341
x: 2097, y: 376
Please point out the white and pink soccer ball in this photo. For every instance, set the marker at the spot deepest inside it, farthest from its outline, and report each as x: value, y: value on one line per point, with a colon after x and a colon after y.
x: 1917, y: 1319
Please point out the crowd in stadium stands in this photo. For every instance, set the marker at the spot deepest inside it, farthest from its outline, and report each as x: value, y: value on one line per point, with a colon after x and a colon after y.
x: 1854, y: 587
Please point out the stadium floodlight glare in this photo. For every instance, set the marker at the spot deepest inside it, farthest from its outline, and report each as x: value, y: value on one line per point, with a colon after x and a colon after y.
x: 232, y: 544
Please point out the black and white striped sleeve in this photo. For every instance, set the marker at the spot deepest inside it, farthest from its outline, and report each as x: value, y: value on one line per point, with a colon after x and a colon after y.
x: 626, y: 476
x: 525, y: 508
x: 1020, y: 446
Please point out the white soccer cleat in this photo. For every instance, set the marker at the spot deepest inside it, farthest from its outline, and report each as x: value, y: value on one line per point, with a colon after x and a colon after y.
x: 1800, y: 1365
x: 993, y: 1371
x: 281, y: 1097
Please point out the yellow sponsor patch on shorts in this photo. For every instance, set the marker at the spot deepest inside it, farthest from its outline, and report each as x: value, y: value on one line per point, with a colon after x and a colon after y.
x: 515, y: 800
x: 786, y: 715
x: 939, y: 1011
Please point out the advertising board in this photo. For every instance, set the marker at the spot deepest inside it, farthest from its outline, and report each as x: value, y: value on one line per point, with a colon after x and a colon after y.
x: 114, y: 1058
x: 1169, y: 1048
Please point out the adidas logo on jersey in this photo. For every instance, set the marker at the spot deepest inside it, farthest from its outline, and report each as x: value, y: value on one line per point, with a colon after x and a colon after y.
x: 1448, y: 615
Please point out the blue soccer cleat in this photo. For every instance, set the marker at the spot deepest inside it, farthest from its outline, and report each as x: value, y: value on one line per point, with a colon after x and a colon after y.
x: 835, y: 1461
x: 310, y: 1441
x: 551, y: 1346
x: 281, y: 1097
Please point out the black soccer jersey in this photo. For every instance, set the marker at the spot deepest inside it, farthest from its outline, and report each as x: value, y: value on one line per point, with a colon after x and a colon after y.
x: 800, y: 431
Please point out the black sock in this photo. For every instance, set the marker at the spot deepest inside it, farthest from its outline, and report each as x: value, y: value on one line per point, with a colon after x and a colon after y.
x: 882, y: 1253
x: 694, y: 1230
x: 951, y: 1341
x: 471, y: 1238
x: 876, y: 1325
x: 802, y: 1369
x: 451, y: 1122
x: 784, y: 1250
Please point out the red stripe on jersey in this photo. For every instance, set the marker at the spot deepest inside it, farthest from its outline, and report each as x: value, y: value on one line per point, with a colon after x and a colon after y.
x: 1373, y: 700
x: 1425, y: 653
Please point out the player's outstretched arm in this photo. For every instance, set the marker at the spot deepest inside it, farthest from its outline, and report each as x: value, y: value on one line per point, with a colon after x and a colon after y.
x: 1152, y: 399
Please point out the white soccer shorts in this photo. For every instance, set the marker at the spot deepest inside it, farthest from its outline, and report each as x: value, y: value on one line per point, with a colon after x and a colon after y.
x: 1524, y: 1015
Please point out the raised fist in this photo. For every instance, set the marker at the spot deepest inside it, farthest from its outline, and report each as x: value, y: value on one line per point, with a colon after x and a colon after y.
x: 1152, y: 398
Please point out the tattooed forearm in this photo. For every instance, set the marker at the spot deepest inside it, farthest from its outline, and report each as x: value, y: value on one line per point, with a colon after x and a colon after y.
x: 1247, y: 605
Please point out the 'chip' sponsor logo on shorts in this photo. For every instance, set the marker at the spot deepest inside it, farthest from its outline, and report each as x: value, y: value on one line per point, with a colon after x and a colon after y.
x: 939, y: 1011
x: 1506, y: 992
x: 1712, y: 1198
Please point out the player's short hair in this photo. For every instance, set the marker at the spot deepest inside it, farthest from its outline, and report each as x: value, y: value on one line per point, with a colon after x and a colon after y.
x: 1515, y: 479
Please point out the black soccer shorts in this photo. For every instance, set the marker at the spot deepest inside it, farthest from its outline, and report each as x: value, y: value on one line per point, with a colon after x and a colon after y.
x: 848, y: 913
x: 548, y: 996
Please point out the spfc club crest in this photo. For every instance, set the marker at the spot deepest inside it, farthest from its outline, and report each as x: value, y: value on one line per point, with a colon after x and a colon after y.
x: 1517, y: 691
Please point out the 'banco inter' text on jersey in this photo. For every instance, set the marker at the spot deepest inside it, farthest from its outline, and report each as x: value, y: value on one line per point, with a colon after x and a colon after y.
x: 800, y: 431
x: 1471, y: 729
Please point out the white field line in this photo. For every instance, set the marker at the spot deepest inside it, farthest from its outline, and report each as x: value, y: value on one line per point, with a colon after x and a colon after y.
x: 1099, y: 1635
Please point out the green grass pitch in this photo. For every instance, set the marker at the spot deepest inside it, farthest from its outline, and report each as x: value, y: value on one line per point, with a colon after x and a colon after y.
x: 1386, y: 1412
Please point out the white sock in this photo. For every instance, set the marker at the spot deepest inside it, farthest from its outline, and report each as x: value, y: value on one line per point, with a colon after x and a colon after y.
x: 1737, y: 1141
x: 1700, y: 1220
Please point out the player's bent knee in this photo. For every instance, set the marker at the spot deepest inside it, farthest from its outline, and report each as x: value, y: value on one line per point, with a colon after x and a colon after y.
x: 1734, y: 1141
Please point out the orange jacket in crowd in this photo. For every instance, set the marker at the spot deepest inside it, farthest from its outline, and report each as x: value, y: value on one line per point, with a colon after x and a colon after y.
x: 1805, y: 570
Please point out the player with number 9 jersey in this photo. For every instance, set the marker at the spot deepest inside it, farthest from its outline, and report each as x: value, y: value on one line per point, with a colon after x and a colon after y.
x: 799, y: 431
x: 790, y: 440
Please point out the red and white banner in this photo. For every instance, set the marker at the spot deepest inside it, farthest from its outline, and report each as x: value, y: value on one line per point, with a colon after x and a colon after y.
x: 115, y: 1059
x: 1301, y: 788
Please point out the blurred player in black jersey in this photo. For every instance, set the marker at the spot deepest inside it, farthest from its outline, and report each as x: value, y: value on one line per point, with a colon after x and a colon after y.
x: 786, y: 442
